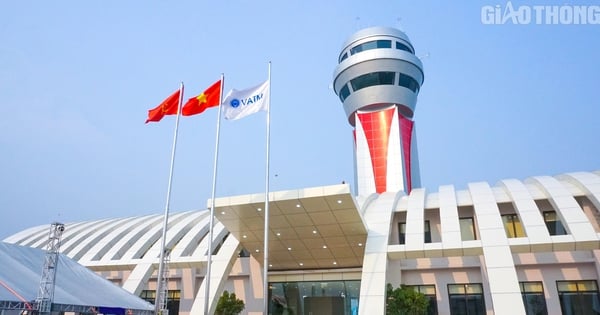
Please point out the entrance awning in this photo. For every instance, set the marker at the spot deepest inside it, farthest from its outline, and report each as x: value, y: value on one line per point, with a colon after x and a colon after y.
x: 311, y: 228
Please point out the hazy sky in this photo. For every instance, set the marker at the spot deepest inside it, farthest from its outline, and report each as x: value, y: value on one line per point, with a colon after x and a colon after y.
x: 78, y: 77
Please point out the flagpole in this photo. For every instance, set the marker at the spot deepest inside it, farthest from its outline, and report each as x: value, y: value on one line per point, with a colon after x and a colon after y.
x: 266, y: 245
x: 212, y: 205
x: 159, y: 289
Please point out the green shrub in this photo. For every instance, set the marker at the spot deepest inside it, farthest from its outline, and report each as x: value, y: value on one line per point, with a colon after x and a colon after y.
x: 405, y: 301
x: 229, y: 304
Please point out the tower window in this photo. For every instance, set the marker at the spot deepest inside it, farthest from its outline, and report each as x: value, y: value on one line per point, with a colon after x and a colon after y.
x: 401, y: 46
x: 344, y: 93
x: 344, y: 56
x: 371, y: 45
x: 408, y: 82
x: 373, y: 78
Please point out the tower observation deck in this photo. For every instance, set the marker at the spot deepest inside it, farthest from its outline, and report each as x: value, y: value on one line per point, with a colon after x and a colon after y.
x: 378, y: 79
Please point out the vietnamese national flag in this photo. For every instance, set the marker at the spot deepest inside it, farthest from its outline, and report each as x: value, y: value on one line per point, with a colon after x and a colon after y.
x: 168, y: 107
x: 211, y: 97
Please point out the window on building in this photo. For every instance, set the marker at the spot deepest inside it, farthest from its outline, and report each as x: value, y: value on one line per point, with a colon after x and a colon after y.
x: 173, y: 298
x: 344, y: 93
x: 408, y: 82
x: 533, y: 298
x: 553, y: 223
x: 467, y: 229
x: 512, y: 225
x: 371, y: 45
x: 116, y: 282
x: 314, y: 297
x: 578, y: 297
x: 427, y: 233
x: 401, y: 46
x: 402, y: 233
x: 429, y: 292
x: 148, y: 295
x: 466, y: 299
x: 373, y: 78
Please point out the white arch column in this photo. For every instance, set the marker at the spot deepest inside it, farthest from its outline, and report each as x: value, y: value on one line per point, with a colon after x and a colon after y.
x: 378, y: 217
x: 499, y: 266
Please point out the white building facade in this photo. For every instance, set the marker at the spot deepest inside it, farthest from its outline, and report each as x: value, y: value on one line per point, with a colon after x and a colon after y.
x: 518, y: 246
x: 482, y: 250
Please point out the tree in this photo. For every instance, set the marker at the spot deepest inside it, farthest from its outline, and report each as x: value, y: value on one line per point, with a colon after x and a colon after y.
x: 405, y: 301
x: 229, y: 304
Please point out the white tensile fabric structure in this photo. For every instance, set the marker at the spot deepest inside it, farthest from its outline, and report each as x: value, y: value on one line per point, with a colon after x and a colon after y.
x: 77, y: 288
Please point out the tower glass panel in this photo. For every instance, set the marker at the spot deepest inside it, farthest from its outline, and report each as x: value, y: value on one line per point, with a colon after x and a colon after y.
x: 401, y: 46
x: 344, y: 92
x: 371, y: 79
x: 408, y: 82
x: 371, y: 45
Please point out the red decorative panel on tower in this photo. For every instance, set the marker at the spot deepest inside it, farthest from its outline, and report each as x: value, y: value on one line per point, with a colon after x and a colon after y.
x: 376, y: 126
x: 406, y: 128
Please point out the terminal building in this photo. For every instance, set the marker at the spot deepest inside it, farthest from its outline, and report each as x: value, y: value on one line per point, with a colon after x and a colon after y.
x: 518, y: 246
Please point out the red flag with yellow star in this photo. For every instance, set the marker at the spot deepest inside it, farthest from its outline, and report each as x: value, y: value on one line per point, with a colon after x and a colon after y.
x: 168, y: 107
x: 211, y: 97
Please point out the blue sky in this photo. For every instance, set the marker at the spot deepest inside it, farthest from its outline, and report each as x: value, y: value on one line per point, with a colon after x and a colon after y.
x: 77, y: 79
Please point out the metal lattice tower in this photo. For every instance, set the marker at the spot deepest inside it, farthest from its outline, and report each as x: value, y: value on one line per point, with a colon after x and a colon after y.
x: 45, y: 295
x: 164, y: 279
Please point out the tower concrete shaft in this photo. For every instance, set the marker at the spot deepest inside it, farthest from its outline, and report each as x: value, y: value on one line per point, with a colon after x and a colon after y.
x: 378, y: 79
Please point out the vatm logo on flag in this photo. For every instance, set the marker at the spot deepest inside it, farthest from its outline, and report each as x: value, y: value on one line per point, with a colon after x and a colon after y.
x: 239, y: 104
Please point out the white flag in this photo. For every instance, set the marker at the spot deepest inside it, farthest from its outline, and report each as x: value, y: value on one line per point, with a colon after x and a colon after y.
x: 239, y: 104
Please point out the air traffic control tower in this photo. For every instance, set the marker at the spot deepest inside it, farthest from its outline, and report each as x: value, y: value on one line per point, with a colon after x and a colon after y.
x: 378, y: 78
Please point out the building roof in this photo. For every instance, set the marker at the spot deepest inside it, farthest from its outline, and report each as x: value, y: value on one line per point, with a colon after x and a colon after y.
x: 332, y: 211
